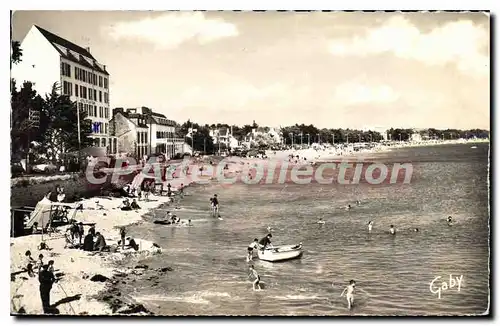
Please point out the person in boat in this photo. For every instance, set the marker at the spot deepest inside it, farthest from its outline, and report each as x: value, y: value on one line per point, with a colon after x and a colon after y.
x: 134, y: 204
x: 256, y: 276
x: 349, y: 293
x: 450, y: 221
x: 265, y: 242
x: 370, y: 226
x: 321, y: 222
x: 392, y: 230
x: 251, y: 247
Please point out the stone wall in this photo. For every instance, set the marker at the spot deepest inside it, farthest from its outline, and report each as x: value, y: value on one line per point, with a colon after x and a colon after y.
x: 30, y: 195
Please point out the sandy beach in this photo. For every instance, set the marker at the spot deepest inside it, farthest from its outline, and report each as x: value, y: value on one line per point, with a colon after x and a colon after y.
x: 75, y: 293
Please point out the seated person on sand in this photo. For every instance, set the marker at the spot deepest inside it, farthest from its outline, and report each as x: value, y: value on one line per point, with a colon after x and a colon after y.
x: 88, y: 241
x: 131, y: 243
x: 134, y: 204
x: 100, y: 243
x: 125, y: 205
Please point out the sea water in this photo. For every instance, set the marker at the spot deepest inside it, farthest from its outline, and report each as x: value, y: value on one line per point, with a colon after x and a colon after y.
x: 393, y: 274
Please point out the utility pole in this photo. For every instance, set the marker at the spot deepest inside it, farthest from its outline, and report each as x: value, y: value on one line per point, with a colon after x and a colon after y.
x: 205, y: 145
x: 319, y: 139
x: 348, y: 138
x: 301, y: 139
x: 150, y: 131
x: 308, y: 140
x: 333, y: 139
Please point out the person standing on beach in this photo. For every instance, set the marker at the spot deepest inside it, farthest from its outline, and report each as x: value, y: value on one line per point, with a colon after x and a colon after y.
x: 29, y: 263
x: 46, y: 279
x: 123, y: 234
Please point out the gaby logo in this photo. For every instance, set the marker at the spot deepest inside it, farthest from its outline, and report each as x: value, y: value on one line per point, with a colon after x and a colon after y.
x: 440, y: 285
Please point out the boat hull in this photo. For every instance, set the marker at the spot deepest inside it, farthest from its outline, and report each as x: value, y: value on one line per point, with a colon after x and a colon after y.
x: 281, y: 253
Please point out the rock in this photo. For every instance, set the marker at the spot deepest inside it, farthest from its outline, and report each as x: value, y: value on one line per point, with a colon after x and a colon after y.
x: 135, y: 309
x: 141, y: 266
x: 165, y: 269
x: 123, y: 282
x: 99, y: 278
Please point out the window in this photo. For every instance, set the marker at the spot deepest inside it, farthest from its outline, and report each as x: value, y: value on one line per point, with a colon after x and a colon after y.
x: 95, y: 79
x: 100, y: 81
x: 106, y: 113
x: 65, y: 69
x: 76, y: 73
x: 105, y: 83
x: 95, y: 95
x: 84, y: 92
x: 106, y: 98
x: 104, y: 142
x: 105, y: 128
x: 138, y: 137
x: 80, y: 107
x: 67, y: 88
x: 76, y: 90
x: 100, y: 94
x: 91, y: 94
x: 95, y: 111
x: 101, y: 112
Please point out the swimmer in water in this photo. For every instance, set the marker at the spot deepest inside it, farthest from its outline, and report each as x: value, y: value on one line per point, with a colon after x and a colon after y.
x: 348, y: 207
x: 269, y: 229
x: 349, y: 293
x: 251, y: 247
x: 321, y: 222
x: 254, y: 274
x: 358, y: 202
x: 370, y: 226
x: 392, y: 230
x: 415, y: 230
x: 450, y: 220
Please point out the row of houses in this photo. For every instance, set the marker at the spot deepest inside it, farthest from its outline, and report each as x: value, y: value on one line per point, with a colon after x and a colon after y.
x: 48, y: 58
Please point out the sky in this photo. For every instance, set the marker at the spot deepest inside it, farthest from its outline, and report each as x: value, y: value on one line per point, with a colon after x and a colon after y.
x: 331, y: 69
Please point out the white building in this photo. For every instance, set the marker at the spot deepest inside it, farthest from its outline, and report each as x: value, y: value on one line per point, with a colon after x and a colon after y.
x: 140, y: 131
x: 224, y: 136
x: 48, y: 58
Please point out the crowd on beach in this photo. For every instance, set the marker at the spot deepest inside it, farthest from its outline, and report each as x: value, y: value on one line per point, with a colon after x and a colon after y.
x: 82, y: 236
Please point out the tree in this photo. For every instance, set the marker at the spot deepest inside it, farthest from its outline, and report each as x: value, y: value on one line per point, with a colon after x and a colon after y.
x: 22, y: 130
x: 16, y: 52
x: 58, y: 129
x: 202, y: 141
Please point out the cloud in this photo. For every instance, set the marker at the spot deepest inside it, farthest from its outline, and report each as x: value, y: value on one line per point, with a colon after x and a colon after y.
x: 353, y: 93
x: 172, y: 29
x: 462, y: 43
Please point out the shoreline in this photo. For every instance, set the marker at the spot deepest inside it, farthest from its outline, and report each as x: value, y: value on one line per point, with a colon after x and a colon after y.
x: 75, y: 293
x: 78, y: 267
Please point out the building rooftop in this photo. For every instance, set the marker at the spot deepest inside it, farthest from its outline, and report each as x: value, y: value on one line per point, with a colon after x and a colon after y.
x: 54, y: 39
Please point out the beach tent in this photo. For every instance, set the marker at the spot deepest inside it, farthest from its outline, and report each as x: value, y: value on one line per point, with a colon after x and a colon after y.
x: 41, y: 214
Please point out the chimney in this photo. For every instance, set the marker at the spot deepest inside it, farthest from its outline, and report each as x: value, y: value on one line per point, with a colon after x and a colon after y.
x: 88, y: 49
